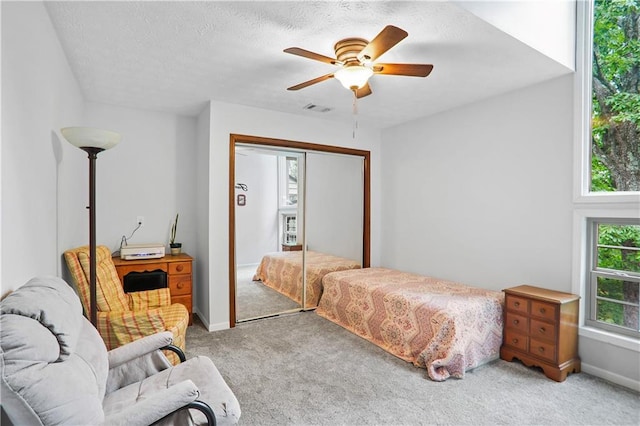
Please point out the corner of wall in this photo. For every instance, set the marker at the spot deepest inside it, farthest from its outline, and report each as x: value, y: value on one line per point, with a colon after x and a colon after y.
x: 523, y: 20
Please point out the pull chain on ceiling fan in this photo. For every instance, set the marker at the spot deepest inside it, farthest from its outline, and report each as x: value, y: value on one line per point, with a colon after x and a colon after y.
x: 356, y: 56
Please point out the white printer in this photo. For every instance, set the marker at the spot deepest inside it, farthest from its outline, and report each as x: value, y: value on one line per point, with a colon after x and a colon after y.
x: 142, y: 251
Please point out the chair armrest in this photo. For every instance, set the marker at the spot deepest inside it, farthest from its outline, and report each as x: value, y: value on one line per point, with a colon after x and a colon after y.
x: 176, y: 350
x: 149, y: 299
x: 137, y: 360
x: 153, y: 408
x: 120, y: 328
x: 138, y: 348
x: 205, y: 409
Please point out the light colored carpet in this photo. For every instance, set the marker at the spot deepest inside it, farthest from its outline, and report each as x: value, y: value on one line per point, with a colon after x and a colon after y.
x: 254, y: 299
x: 301, y: 369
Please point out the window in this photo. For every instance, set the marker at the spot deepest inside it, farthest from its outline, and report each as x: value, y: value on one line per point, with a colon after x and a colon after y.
x: 292, y: 180
x: 288, y: 181
x: 615, y: 97
x: 614, y: 276
x: 288, y: 191
x: 607, y: 196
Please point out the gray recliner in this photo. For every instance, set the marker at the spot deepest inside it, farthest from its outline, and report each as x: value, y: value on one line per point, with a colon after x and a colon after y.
x: 55, y: 369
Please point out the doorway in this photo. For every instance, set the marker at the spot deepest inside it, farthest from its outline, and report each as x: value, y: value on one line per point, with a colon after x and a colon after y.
x: 329, y: 212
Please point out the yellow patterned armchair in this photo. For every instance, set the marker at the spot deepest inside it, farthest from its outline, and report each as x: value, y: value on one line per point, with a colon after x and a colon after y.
x: 125, y: 317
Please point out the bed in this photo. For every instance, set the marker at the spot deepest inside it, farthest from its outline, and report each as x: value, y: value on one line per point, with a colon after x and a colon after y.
x: 445, y: 327
x: 282, y: 271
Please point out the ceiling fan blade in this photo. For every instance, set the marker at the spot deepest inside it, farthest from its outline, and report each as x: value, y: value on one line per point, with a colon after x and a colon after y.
x: 385, y: 40
x: 411, y: 70
x: 311, y: 55
x: 310, y: 82
x: 363, y: 91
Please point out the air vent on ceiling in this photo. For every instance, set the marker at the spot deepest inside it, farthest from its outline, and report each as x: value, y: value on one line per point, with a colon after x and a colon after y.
x: 317, y: 108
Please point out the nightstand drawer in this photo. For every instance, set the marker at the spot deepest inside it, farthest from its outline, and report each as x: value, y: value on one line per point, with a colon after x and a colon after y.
x: 517, y: 322
x: 544, y: 310
x: 179, y: 268
x: 515, y: 339
x: 542, y: 330
x: 543, y: 350
x: 180, y: 284
x: 519, y: 304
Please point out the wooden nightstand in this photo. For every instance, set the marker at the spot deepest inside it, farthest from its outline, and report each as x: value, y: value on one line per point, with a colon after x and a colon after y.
x: 541, y: 329
x: 290, y: 247
x: 179, y: 274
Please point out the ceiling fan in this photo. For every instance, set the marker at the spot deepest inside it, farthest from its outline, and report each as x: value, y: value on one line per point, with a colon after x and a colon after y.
x: 356, y: 56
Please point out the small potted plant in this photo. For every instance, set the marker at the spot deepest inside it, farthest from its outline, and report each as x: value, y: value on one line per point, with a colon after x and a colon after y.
x: 175, y: 247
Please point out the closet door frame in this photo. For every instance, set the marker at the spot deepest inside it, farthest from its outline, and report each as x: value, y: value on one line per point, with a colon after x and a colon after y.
x: 303, y: 146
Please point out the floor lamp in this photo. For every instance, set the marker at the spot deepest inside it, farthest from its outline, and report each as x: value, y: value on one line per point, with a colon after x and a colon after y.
x: 93, y: 141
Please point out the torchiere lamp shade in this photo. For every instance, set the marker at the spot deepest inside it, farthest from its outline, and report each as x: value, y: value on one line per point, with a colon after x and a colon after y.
x: 88, y: 137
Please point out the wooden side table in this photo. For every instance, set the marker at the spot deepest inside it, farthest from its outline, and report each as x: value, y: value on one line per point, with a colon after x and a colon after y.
x: 541, y: 329
x: 292, y: 247
x: 179, y: 273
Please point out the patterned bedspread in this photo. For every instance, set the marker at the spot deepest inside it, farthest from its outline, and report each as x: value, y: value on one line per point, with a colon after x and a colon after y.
x: 439, y: 325
x: 282, y: 271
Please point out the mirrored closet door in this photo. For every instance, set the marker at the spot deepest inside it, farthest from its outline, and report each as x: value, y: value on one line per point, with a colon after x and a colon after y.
x: 269, y: 214
x: 333, y: 218
x: 297, y: 211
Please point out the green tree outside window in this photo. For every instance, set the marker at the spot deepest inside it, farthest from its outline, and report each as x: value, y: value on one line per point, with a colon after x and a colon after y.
x: 615, y: 159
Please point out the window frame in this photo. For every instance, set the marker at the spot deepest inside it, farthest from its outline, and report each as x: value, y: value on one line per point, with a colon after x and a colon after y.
x: 594, y: 272
x: 588, y: 205
x: 286, y: 210
x: 582, y: 121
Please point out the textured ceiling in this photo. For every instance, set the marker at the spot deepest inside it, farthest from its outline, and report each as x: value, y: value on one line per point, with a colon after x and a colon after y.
x: 175, y: 56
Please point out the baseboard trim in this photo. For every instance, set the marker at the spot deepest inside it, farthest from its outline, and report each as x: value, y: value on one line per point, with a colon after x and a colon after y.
x: 219, y: 326
x: 211, y: 327
x: 611, y: 377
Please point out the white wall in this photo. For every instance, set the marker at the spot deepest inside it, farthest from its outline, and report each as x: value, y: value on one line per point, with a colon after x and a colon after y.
x: 546, y: 25
x: 39, y: 96
x: 227, y: 119
x: 45, y: 179
x: 150, y: 173
x: 482, y: 194
x: 256, y: 221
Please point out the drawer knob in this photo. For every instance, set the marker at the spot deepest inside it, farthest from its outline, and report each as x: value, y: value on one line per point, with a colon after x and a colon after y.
x: 516, y: 304
x: 541, y: 349
x: 514, y: 341
x: 516, y: 322
x: 179, y: 268
x: 180, y: 285
x: 542, y: 330
x: 542, y: 310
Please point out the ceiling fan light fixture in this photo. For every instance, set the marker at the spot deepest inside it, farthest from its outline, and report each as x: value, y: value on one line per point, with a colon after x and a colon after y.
x: 353, y: 77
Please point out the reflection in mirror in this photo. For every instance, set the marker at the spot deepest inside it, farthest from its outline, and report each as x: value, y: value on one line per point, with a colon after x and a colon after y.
x: 266, y: 230
x: 333, y: 218
x: 298, y: 213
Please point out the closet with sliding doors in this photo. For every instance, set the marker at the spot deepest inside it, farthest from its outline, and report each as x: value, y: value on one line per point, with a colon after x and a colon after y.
x: 297, y: 211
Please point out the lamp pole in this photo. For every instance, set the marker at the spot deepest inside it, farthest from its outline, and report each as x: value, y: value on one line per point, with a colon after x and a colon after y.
x: 93, y: 294
x: 92, y: 141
